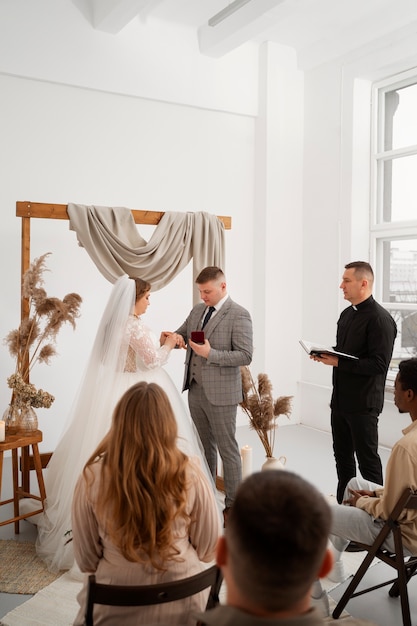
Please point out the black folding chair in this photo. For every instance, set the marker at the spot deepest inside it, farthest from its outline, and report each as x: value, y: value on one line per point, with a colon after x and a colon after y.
x: 142, y: 595
x: 406, y: 567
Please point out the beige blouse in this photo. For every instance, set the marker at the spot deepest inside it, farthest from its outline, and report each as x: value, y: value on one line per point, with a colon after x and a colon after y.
x: 95, y: 553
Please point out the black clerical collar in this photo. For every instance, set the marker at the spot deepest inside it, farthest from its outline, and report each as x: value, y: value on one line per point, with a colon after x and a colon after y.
x: 362, y: 304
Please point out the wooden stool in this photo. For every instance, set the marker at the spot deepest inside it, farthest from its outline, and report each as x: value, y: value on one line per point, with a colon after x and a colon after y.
x: 13, y: 442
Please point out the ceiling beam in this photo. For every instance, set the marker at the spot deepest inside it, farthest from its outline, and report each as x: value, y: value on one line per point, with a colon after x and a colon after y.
x: 111, y: 16
x: 235, y: 29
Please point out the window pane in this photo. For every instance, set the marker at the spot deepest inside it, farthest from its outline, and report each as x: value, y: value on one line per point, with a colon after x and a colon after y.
x: 400, y: 270
x: 406, y: 342
x: 400, y: 265
x: 400, y: 189
x: 400, y: 118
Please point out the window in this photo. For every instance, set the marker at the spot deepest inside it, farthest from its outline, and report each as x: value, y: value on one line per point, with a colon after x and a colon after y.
x: 394, y: 205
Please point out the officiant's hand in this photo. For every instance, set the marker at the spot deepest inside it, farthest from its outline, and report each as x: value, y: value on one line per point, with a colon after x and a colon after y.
x: 326, y: 359
x: 202, y: 349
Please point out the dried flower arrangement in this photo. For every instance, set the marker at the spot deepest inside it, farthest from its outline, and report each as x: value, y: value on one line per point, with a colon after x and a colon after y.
x: 33, y: 342
x: 261, y: 408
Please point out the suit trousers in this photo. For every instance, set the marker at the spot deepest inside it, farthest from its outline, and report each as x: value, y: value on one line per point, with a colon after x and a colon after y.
x: 355, y: 433
x: 216, y: 426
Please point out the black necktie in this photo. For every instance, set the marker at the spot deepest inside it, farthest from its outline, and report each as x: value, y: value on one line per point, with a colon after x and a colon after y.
x: 208, y: 315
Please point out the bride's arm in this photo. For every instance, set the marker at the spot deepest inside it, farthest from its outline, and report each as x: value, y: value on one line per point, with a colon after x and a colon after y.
x: 145, y: 347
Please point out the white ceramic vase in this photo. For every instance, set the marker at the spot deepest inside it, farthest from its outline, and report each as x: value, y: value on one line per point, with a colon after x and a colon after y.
x: 272, y: 463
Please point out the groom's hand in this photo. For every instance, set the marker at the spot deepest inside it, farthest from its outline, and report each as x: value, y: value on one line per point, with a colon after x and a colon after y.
x: 202, y: 349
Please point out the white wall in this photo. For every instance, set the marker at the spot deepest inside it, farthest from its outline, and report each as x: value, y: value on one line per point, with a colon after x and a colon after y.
x: 142, y: 120
x: 63, y: 144
x: 336, y: 210
x: 51, y: 40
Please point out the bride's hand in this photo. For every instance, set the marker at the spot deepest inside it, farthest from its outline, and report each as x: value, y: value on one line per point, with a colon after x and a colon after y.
x: 173, y: 340
x: 163, y: 337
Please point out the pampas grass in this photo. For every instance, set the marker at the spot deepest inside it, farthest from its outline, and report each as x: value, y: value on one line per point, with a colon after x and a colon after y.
x: 34, y: 340
x: 261, y: 408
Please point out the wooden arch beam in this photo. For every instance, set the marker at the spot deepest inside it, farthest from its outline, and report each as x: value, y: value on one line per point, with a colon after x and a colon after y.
x: 27, y: 210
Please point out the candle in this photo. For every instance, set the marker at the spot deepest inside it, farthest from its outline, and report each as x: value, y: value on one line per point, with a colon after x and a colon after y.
x: 2, y: 430
x: 246, y: 454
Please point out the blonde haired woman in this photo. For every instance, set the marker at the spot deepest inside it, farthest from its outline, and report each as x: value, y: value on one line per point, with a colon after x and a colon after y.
x: 143, y: 511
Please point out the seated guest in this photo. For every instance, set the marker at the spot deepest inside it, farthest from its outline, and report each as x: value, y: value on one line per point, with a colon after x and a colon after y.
x: 273, y: 549
x: 143, y: 512
x: 370, y: 504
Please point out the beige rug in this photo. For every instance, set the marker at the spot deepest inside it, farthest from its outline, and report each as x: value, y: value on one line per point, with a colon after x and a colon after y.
x: 55, y: 605
x: 21, y: 570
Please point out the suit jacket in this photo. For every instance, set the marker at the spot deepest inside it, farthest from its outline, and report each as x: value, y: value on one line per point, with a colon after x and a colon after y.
x: 231, y: 339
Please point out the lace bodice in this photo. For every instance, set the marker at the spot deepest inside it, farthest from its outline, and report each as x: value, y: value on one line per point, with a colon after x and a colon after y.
x: 143, y: 350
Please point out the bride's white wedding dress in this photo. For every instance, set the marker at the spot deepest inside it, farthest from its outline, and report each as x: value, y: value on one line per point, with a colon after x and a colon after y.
x: 125, y: 352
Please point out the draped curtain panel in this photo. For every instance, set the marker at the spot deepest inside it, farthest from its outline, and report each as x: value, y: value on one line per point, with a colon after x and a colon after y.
x: 111, y: 238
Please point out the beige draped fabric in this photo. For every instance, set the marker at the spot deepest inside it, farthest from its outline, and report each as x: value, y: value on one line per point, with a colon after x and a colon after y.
x: 111, y: 238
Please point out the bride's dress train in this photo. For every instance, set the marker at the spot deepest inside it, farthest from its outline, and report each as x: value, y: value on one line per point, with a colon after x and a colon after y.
x: 125, y: 352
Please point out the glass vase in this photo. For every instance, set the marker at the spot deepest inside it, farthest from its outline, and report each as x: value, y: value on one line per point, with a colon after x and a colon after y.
x: 28, y: 419
x: 11, y: 417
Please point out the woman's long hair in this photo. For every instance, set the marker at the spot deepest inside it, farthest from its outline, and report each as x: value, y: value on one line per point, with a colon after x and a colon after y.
x: 143, y: 476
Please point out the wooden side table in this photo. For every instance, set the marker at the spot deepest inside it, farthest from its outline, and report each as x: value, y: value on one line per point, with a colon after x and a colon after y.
x: 13, y: 443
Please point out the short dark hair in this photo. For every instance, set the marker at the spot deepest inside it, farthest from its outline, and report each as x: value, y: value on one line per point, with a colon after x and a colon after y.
x: 210, y: 273
x: 408, y: 374
x: 277, y: 533
x: 362, y: 268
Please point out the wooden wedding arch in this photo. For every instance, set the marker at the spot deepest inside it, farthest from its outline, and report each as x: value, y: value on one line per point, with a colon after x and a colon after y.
x: 28, y: 210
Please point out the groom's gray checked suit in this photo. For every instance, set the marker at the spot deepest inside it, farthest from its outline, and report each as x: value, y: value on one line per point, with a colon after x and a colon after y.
x: 215, y: 385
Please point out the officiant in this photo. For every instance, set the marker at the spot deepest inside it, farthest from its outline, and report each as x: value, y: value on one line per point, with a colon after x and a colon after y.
x: 366, y: 330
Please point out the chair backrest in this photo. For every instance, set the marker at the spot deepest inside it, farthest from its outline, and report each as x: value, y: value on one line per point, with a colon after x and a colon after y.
x: 408, y: 500
x: 142, y: 595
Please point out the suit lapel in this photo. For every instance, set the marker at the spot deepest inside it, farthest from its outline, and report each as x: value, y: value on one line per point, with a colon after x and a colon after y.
x: 213, y: 323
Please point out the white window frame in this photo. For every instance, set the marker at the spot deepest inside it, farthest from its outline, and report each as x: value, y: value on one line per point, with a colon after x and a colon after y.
x: 380, y: 230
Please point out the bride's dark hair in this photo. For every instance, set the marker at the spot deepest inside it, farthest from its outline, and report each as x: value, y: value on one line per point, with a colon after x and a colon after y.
x: 143, y: 476
x: 141, y: 286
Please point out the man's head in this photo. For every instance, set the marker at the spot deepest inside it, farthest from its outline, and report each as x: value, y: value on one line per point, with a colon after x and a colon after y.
x: 275, y: 543
x: 357, y: 281
x: 405, y: 388
x: 211, y: 284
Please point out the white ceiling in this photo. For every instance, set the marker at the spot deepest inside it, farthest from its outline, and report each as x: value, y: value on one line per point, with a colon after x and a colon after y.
x: 319, y: 30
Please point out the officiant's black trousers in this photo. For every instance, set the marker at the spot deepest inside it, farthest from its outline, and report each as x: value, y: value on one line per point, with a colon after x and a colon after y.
x: 355, y: 434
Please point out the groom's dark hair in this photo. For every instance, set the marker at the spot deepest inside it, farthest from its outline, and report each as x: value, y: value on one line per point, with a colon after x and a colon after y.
x: 210, y: 273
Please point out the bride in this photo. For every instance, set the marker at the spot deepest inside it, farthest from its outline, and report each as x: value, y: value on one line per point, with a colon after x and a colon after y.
x: 125, y: 352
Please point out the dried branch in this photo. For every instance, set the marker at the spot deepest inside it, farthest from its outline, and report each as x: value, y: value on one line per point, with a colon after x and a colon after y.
x: 261, y: 408
x: 34, y: 340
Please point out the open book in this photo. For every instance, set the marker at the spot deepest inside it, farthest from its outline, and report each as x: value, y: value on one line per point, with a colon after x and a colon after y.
x: 312, y: 348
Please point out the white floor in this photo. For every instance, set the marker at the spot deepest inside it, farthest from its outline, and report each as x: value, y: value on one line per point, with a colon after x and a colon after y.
x: 309, y: 453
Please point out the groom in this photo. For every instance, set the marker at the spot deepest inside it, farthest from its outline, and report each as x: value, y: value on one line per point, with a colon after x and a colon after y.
x: 212, y: 373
